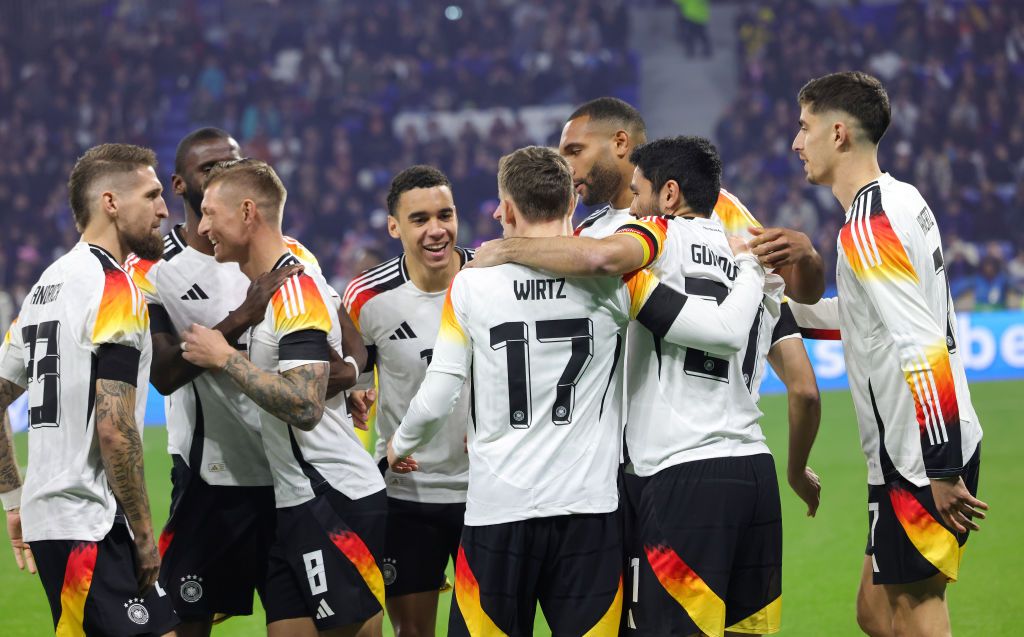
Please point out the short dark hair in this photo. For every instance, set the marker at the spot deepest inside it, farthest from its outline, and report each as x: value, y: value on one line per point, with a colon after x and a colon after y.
x: 853, y: 92
x: 691, y: 162
x: 538, y: 180
x: 258, y: 177
x: 419, y: 176
x: 614, y: 110
x: 197, y: 136
x: 100, y: 161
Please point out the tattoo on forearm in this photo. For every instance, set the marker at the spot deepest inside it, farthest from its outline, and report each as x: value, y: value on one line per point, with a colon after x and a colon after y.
x: 9, y: 477
x: 295, y: 397
x: 121, y: 450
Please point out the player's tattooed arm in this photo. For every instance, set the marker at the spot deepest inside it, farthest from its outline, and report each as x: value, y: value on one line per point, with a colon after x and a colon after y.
x: 10, y: 479
x: 122, y: 454
x: 296, y: 396
x: 571, y: 256
x: 170, y: 370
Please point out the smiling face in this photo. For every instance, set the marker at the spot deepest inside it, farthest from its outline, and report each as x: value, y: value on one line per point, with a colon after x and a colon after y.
x: 224, y: 222
x: 645, y: 201
x: 140, y: 210
x: 815, y: 145
x: 588, y: 146
x: 426, y: 223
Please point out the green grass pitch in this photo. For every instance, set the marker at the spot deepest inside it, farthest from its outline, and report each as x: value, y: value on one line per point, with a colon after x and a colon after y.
x: 822, y: 555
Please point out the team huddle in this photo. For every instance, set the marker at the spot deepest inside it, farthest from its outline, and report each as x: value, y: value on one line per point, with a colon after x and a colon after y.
x: 569, y: 415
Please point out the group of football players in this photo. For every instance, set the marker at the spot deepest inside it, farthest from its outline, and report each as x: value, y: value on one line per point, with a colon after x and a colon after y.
x: 573, y: 420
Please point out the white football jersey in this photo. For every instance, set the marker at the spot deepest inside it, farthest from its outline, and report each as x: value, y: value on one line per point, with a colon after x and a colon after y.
x: 686, y: 404
x: 83, y: 314
x: 544, y: 354
x: 302, y: 461
x: 895, y: 316
x: 211, y: 424
x: 399, y: 323
x: 603, y: 222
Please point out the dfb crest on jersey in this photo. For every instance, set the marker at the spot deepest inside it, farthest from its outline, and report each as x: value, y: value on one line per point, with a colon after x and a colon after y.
x: 137, y: 613
x: 389, y: 571
x: 191, y: 590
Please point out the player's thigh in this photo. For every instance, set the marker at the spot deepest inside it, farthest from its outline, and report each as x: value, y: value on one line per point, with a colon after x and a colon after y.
x: 496, y: 573
x: 874, y: 615
x: 421, y: 537
x: 919, y: 608
x: 92, y: 588
x: 690, y: 521
x: 215, y: 548
x: 580, y: 589
x: 753, y: 603
x: 414, y: 614
x: 322, y: 564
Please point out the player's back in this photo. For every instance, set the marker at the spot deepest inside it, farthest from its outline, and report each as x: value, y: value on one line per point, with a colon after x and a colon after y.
x: 83, y: 302
x: 547, y: 351
x: 893, y: 291
x: 687, y: 404
x: 303, y: 460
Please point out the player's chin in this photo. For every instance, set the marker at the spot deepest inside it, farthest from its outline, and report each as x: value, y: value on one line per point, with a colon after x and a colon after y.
x: 437, y: 256
x: 149, y: 246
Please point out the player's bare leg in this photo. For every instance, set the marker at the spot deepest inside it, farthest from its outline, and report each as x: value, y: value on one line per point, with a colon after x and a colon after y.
x: 414, y: 615
x: 193, y: 629
x: 373, y: 627
x: 874, y: 613
x: 919, y: 609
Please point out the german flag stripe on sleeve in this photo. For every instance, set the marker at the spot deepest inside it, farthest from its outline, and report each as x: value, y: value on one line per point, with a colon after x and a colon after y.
x: 298, y: 305
x: 640, y: 284
x: 301, y: 252
x: 931, y: 383
x: 122, y: 313
x: 451, y: 330
x: 650, y: 232
x: 871, y: 245
x: 735, y: 217
x: 138, y: 269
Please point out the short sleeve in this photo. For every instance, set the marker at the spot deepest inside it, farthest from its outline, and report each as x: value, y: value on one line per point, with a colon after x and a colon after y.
x: 302, y: 253
x: 302, y: 321
x: 143, y: 274
x: 12, y: 361
x: 651, y: 233
x: 121, y: 316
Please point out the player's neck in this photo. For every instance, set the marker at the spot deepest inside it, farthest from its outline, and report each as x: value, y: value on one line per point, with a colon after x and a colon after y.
x: 555, y: 228
x: 857, y: 172
x: 624, y: 198
x: 107, y: 238
x: 433, y: 279
x: 195, y: 240
x: 265, y: 248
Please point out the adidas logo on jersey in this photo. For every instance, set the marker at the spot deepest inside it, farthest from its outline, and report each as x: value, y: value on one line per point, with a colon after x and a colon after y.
x: 403, y: 332
x: 323, y: 611
x: 195, y: 293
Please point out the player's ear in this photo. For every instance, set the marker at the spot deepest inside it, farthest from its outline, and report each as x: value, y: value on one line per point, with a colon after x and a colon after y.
x: 840, y: 134
x: 620, y: 141
x: 248, y: 211
x: 108, y: 203
x: 671, y: 195
x: 393, y: 226
x: 178, y: 184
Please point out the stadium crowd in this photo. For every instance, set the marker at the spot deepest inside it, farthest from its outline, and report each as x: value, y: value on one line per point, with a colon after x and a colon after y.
x: 317, y: 102
x: 958, y: 123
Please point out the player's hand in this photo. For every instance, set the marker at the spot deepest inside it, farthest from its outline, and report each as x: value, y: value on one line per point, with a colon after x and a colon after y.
x: 807, y: 485
x: 778, y: 247
x: 359, y: 403
x: 262, y: 288
x: 22, y: 552
x: 956, y: 505
x: 205, y: 347
x: 400, y: 465
x: 490, y: 253
x: 147, y: 563
x: 739, y: 245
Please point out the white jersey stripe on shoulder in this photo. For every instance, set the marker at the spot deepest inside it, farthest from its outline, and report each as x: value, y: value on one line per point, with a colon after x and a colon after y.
x: 292, y: 296
x: 925, y: 410
x: 298, y: 294
x: 867, y: 223
x: 866, y: 236
x: 286, y: 297
x: 380, y: 267
x: 855, y: 233
x: 933, y: 395
x: 366, y: 281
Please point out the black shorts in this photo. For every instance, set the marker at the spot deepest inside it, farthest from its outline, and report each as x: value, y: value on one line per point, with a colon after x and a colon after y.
x: 712, y: 537
x: 420, y: 538
x: 93, y: 590
x: 323, y: 563
x: 907, y: 539
x: 571, y: 564
x: 215, y: 544
x: 631, y: 488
